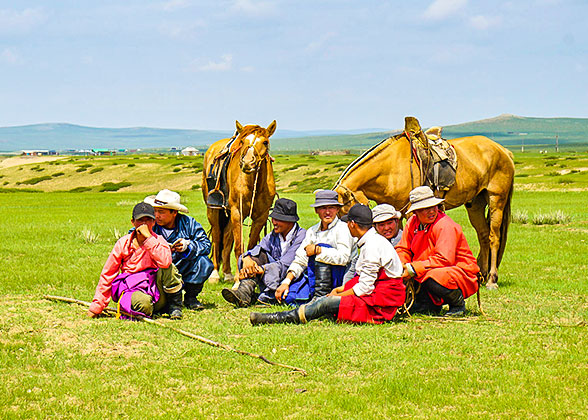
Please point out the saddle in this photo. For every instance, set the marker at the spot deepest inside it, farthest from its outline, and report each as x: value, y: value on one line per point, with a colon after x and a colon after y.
x: 435, y: 157
x: 216, y: 180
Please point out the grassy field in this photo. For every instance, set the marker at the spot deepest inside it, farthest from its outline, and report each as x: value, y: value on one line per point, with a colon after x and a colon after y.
x: 525, y: 357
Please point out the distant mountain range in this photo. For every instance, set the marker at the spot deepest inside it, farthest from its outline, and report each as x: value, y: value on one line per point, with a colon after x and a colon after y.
x: 506, y: 129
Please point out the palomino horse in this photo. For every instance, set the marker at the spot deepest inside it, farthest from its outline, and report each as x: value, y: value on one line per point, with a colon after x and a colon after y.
x: 484, y: 179
x: 251, y: 186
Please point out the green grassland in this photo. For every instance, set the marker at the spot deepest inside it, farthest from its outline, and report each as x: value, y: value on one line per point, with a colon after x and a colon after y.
x: 523, y: 357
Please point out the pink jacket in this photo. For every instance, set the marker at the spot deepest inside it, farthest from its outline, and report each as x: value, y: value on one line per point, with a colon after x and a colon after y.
x: 128, y: 257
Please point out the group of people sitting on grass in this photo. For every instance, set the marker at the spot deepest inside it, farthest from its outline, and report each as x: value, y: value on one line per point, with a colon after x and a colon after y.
x: 352, y: 269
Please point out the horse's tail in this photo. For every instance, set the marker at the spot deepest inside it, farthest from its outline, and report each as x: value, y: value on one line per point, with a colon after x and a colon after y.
x: 506, y: 217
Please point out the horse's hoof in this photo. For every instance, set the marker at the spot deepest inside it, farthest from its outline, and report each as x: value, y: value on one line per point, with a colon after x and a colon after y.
x: 236, y: 285
x: 492, y: 286
x: 214, y: 277
x: 229, y: 278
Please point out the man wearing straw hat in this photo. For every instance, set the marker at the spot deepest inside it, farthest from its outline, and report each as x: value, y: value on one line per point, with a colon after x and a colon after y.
x: 436, y: 254
x: 387, y: 222
x: 188, y: 241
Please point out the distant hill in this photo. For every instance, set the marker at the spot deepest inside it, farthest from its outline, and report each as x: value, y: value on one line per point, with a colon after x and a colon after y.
x: 509, y: 130
x: 506, y: 129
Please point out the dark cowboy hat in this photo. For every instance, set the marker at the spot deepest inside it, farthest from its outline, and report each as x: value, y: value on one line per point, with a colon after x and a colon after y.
x: 359, y: 213
x: 284, y: 210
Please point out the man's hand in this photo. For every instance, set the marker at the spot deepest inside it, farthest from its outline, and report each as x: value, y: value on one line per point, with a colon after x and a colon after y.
x: 142, y: 234
x: 406, y: 274
x: 92, y: 314
x: 180, y: 245
x: 282, y: 292
x: 312, y: 249
x: 336, y: 291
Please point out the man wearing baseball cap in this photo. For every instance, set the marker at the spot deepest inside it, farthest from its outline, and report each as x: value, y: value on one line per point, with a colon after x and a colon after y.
x: 189, y: 243
x: 436, y: 254
x: 372, y: 296
x: 387, y: 222
x: 138, y: 273
x: 266, y: 264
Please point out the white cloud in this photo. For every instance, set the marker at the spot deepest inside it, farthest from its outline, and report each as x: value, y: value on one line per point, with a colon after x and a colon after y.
x: 319, y: 43
x: 223, y: 65
x: 20, y: 21
x: 484, y: 22
x: 180, y: 30
x: 171, y: 5
x: 9, y: 56
x: 441, y: 9
x: 254, y: 7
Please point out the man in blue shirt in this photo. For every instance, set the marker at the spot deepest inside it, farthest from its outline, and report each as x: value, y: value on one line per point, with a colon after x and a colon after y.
x: 266, y: 264
x: 189, y: 244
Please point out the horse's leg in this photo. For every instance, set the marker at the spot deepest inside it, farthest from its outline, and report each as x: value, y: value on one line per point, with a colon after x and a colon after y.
x: 236, y: 238
x: 214, y: 220
x: 477, y: 214
x: 495, y: 209
x: 227, y: 249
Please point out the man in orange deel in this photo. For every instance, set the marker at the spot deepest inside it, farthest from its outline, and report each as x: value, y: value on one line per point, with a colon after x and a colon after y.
x: 435, y: 253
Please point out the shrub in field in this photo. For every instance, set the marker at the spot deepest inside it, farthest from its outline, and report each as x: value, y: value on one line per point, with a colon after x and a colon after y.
x: 520, y: 217
x: 565, y: 181
x: 80, y: 189
x: 56, y: 174
x: 93, y: 171
x: 85, y: 165
x: 82, y: 169
x: 312, y: 172
x: 549, y: 163
x: 552, y: 218
x: 195, y: 187
x: 130, y: 165
x: 521, y: 175
x: 89, y: 237
x: 177, y: 169
x: 294, y: 167
x: 6, y: 183
x: 553, y: 174
x: 38, y: 169
x: 111, y: 186
x: 13, y: 190
x: 34, y: 181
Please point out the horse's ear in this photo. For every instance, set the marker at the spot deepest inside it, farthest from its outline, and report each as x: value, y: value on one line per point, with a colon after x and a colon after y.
x: 271, y: 128
x: 239, y: 126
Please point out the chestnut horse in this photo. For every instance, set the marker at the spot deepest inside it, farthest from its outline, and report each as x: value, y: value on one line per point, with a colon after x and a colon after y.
x: 251, y: 186
x: 484, y: 179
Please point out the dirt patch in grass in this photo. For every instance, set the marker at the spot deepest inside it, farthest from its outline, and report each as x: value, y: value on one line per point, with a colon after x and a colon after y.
x: 26, y: 160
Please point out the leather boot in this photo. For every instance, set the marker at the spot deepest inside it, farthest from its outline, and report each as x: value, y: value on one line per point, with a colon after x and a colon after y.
x: 191, y: 297
x: 241, y: 297
x: 174, y: 301
x: 323, y: 280
x: 285, y: 317
x: 453, y: 297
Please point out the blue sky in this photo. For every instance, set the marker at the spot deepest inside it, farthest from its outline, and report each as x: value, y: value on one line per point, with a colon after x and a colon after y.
x: 319, y: 64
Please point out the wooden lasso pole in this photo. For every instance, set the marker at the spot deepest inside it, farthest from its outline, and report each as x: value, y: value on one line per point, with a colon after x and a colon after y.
x: 112, y: 312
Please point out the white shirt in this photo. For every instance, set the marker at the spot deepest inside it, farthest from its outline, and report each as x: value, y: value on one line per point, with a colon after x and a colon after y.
x: 337, y: 235
x: 375, y: 252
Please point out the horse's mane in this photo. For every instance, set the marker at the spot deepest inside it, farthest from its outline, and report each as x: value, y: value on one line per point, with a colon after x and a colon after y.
x: 372, y: 151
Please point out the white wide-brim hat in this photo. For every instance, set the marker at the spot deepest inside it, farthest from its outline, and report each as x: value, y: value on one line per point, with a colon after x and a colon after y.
x: 422, y: 198
x: 166, y: 199
x: 383, y: 212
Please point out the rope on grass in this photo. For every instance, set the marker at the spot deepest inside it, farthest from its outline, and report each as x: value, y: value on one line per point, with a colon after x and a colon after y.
x: 112, y: 312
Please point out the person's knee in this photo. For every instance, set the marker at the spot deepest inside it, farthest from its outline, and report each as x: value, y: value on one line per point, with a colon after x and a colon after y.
x: 170, y: 279
x: 141, y: 302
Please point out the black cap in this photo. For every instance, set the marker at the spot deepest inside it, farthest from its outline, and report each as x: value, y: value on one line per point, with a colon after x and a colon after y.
x: 143, y: 209
x: 360, y: 214
x: 284, y: 210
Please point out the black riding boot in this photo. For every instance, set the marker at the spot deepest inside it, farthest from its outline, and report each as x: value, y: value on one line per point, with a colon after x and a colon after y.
x: 174, y: 301
x: 285, y: 317
x: 453, y: 297
x: 190, y: 298
x: 243, y: 296
x: 323, y: 283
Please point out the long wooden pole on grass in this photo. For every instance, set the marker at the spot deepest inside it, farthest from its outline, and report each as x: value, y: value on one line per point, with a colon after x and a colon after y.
x: 112, y: 312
